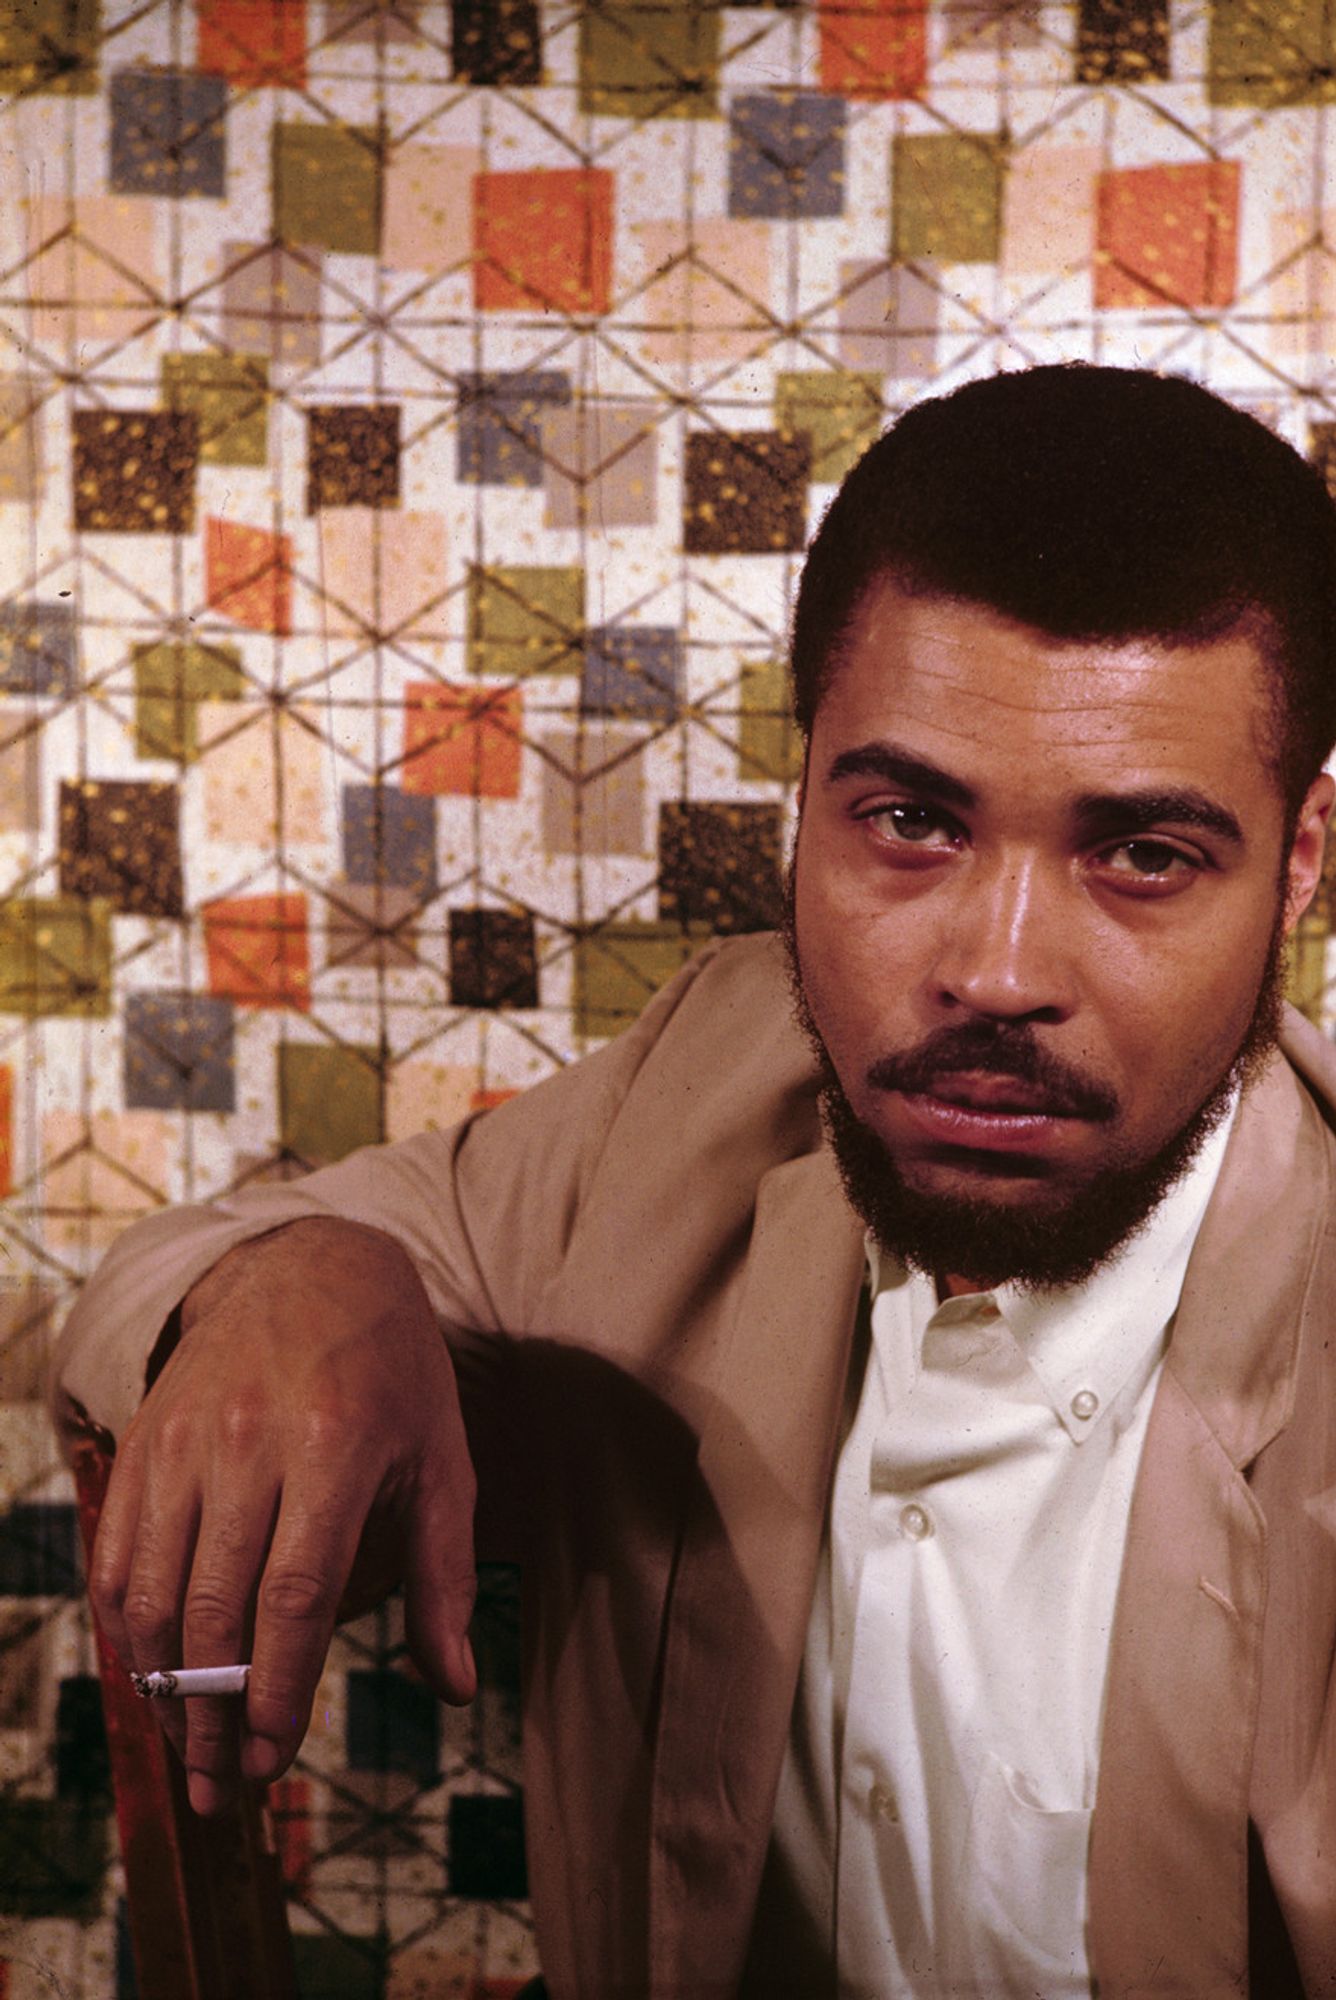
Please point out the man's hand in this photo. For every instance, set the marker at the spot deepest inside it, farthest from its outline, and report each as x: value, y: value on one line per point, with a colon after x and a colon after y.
x: 307, y: 1416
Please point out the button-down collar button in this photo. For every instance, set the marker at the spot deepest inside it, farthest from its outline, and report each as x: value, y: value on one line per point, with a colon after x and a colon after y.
x: 915, y: 1522
x: 1084, y: 1404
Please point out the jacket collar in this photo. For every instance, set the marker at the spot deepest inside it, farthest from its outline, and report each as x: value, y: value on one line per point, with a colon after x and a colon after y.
x: 745, y: 1575
x: 1237, y: 1330
x: 1168, y: 1861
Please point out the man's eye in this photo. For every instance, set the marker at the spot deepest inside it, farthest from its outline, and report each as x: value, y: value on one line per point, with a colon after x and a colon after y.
x: 1148, y: 859
x: 919, y: 824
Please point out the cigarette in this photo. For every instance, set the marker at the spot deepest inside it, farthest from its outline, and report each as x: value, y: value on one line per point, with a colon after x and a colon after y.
x: 192, y: 1680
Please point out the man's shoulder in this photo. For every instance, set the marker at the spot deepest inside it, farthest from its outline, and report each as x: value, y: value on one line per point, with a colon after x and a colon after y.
x: 1313, y: 1057
x: 716, y: 1065
x: 738, y: 993
x: 725, y: 1023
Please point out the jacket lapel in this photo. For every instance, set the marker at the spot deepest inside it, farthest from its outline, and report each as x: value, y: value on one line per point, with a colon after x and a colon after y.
x: 743, y: 1589
x: 1168, y: 1880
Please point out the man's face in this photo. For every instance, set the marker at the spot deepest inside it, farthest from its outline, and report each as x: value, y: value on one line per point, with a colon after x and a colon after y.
x: 1038, y: 895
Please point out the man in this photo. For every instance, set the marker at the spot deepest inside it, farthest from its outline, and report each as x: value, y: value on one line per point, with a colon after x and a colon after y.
x: 976, y: 1639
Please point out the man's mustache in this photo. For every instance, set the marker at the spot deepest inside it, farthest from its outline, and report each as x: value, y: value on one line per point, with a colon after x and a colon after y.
x: 995, y: 1049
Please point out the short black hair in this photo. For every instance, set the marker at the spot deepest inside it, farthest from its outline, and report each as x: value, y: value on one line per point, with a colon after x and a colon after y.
x: 1096, y: 504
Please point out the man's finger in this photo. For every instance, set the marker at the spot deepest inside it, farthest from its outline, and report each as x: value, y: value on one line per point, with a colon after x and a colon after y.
x: 440, y: 1578
x: 307, y: 1567
x: 155, y: 1568
x: 216, y: 1630
x: 113, y: 1551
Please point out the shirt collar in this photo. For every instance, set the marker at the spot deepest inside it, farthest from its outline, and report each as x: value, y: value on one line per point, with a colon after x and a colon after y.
x: 1085, y: 1342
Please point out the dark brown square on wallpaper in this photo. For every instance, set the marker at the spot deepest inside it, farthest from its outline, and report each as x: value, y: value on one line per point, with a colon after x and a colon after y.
x: 746, y: 492
x: 496, y: 41
x: 121, y: 840
x: 719, y: 864
x: 352, y: 456
x: 134, y: 471
x: 493, y: 960
x: 1122, y: 41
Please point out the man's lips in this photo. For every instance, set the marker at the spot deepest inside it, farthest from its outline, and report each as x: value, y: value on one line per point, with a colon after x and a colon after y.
x: 985, y: 1112
x: 986, y: 1090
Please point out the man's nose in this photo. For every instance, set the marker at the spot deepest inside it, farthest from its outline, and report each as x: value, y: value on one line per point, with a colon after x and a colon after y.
x: 1008, y: 950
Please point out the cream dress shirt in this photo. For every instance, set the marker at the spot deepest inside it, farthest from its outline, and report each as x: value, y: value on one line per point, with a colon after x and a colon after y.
x: 933, y: 1818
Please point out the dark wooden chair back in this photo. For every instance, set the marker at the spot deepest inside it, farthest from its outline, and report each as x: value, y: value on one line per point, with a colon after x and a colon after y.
x: 207, y: 1915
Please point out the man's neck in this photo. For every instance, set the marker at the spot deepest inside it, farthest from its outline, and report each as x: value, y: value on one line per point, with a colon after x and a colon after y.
x: 950, y: 1285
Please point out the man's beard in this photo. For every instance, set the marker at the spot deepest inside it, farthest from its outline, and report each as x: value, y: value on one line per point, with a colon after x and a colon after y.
x: 1067, y: 1230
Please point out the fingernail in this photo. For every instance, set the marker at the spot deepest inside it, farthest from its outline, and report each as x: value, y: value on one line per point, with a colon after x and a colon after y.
x: 260, y: 1759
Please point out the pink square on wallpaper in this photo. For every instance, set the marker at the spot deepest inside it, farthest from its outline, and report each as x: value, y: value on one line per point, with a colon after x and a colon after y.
x: 264, y: 771
x: 424, y: 1096
x: 708, y: 290
x: 427, y: 223
x: 95, y: 273
x: 1050, y: 210
x: 1302, y: 287
x: 102, y: 1172
x: 380, y: 570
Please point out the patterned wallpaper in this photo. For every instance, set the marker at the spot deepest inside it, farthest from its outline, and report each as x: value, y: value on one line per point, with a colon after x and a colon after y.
x: 411, y: 418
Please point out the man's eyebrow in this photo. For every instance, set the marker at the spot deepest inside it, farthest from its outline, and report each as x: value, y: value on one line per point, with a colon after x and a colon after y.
x: 900, y: 767
x: 1101, y: 814
x: 1097, y: 815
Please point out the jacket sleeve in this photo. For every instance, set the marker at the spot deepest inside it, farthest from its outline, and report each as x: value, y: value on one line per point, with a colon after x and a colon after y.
x: 484, y: 1211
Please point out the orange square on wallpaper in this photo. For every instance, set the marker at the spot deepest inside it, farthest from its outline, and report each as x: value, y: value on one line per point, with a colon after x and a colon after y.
x: 543, y: 238
x: 462, y: 739
x: 248, y: 575
x: 1168, y: 235
x: 254, y: 42
x: 873, y: 48
x: 258, y: 950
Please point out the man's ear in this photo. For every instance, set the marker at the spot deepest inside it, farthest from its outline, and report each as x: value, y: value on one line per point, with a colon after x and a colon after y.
x: 1304, y: 868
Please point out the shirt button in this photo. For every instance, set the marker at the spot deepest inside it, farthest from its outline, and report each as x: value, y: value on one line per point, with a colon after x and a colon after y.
x: 915, y: 1522
x: 1084, y: 1404
x: 882, y: 1801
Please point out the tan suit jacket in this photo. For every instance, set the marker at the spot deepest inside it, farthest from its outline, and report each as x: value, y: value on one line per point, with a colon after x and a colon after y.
x: 649, y: 1275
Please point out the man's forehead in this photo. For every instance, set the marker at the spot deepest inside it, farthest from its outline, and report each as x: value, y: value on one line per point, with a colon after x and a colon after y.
x: 970, y: 688
x: 896, y: 636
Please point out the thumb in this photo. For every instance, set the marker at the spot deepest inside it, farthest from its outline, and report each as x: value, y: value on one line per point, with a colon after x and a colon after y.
x: 440, y: 1586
